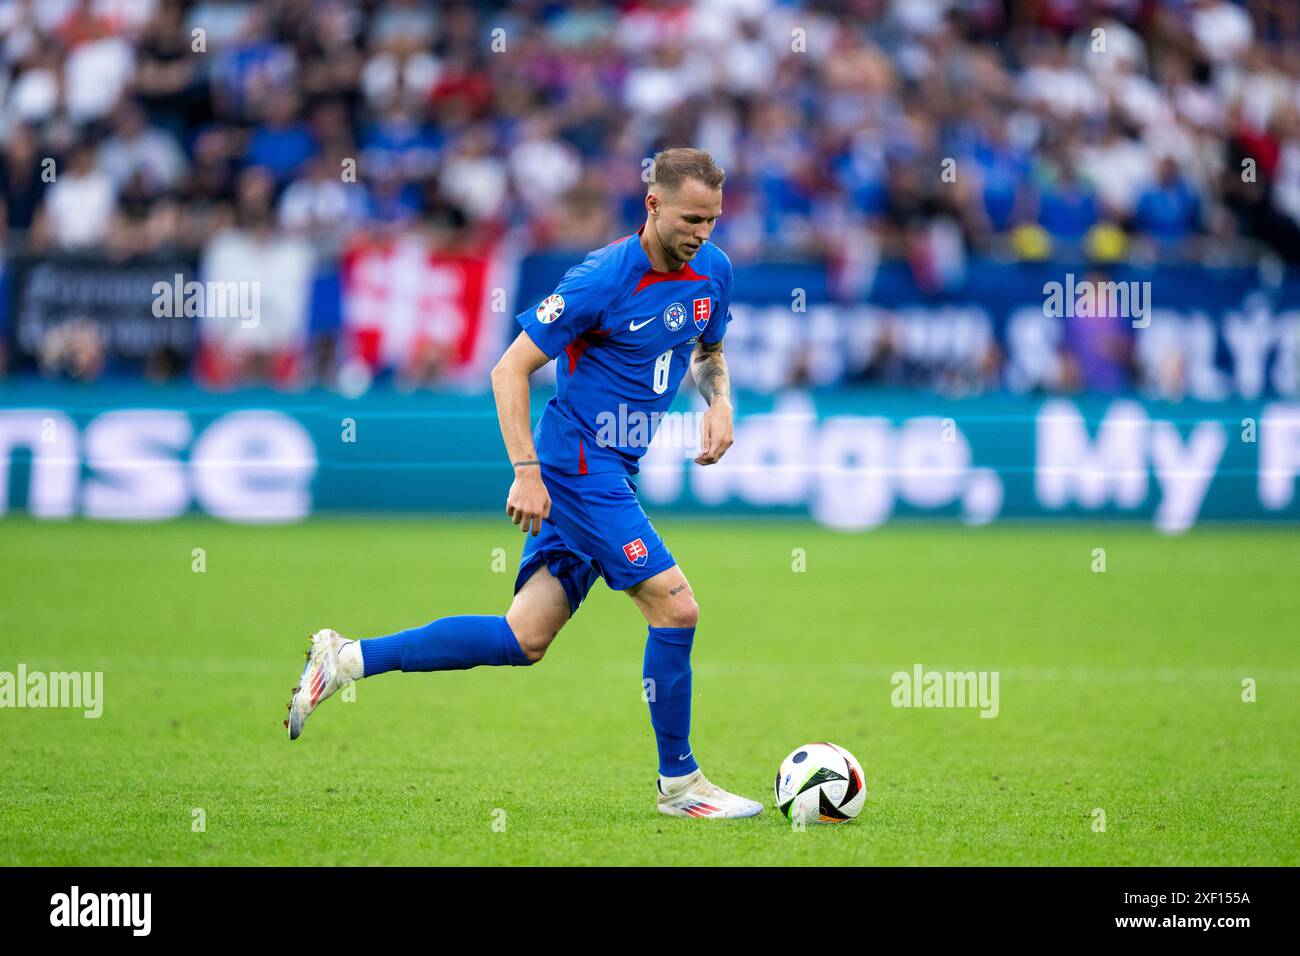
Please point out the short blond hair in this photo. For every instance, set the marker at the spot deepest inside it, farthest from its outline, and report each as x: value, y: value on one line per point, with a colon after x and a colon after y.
x: 672, y: 167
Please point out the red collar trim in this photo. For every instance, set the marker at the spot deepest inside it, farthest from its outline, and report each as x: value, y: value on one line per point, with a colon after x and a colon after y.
x: 653, y: 275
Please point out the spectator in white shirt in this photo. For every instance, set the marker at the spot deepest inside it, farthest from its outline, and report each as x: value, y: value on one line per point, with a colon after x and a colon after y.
x: 80, y: 204
x: 262, y: 336
x: 136, y: 147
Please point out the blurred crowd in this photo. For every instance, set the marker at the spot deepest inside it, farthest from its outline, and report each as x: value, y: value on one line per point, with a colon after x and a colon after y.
x: 851, y: 130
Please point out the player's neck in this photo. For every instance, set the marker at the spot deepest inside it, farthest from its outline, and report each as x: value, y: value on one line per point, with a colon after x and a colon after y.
x: 659, y: 260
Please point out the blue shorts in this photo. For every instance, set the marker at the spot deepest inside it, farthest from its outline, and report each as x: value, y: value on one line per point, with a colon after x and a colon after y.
x: 596, y: 528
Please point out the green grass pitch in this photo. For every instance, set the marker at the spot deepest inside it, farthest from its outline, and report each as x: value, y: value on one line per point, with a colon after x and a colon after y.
x: 1119, y: 691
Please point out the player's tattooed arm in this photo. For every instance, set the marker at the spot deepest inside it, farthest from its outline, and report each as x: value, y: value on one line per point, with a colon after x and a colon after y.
x: 710, y: 370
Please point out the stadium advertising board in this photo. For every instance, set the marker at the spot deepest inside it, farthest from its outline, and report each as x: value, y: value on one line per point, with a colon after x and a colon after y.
x: 851, y: 460
x: 56, y: 303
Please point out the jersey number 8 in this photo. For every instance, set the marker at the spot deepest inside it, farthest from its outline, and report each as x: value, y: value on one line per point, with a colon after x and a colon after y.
x: 662, y: 364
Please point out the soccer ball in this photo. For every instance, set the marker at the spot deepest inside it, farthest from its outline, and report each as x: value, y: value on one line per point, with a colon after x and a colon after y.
x: 820, y: 783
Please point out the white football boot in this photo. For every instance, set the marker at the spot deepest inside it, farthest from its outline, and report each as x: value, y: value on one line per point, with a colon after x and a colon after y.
x: 321, y: 677
x: 693, y: 796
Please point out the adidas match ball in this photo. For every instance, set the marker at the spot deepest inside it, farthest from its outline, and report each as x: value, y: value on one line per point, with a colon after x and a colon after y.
x: 820, y: 783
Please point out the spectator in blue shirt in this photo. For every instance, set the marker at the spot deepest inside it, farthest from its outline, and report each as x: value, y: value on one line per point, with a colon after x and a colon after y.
x: 1168, y: 209
x: 284, y: 143
x: 399, y: 143
x: 1068, y: 208
x: 1003, y: 171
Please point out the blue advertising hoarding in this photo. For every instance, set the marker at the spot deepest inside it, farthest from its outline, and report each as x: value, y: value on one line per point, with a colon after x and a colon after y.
x: 849, y: 459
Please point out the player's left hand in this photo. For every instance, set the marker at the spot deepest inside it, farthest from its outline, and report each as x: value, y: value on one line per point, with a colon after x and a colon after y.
x: 716, y: 434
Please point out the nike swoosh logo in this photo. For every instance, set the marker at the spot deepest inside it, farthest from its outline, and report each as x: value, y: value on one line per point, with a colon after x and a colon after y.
x: 683, y: 756
x: 633, y: 327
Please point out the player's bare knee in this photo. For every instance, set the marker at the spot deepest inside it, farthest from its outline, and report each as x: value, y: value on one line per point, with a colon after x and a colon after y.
x: 682, y: 611
x: 535, y: 647
x: 537, y: 613
x: 533, y: 640
x: 534, y: 632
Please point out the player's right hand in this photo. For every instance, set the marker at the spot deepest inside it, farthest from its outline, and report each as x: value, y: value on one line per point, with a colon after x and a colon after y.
x: 529, y: 503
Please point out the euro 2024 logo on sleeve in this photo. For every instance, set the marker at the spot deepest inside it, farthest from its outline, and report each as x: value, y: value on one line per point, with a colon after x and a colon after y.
x: 675, y: 316
x: 550, y: 309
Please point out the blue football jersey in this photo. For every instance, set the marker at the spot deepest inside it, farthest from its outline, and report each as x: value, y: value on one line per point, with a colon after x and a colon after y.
x: 623, y: 334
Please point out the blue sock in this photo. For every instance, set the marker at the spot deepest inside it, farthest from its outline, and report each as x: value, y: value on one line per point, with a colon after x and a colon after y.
x: 447, y: 644
x: 668, y: 664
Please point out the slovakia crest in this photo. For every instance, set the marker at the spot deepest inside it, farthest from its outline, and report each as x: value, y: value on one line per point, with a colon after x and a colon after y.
x: 550, y: 309
x: 636, y: 552
x: 675, y: 316
x: 703, y: 309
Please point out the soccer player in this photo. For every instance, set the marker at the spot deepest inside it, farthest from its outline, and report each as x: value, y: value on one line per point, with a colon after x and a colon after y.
x: 624, y: 324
